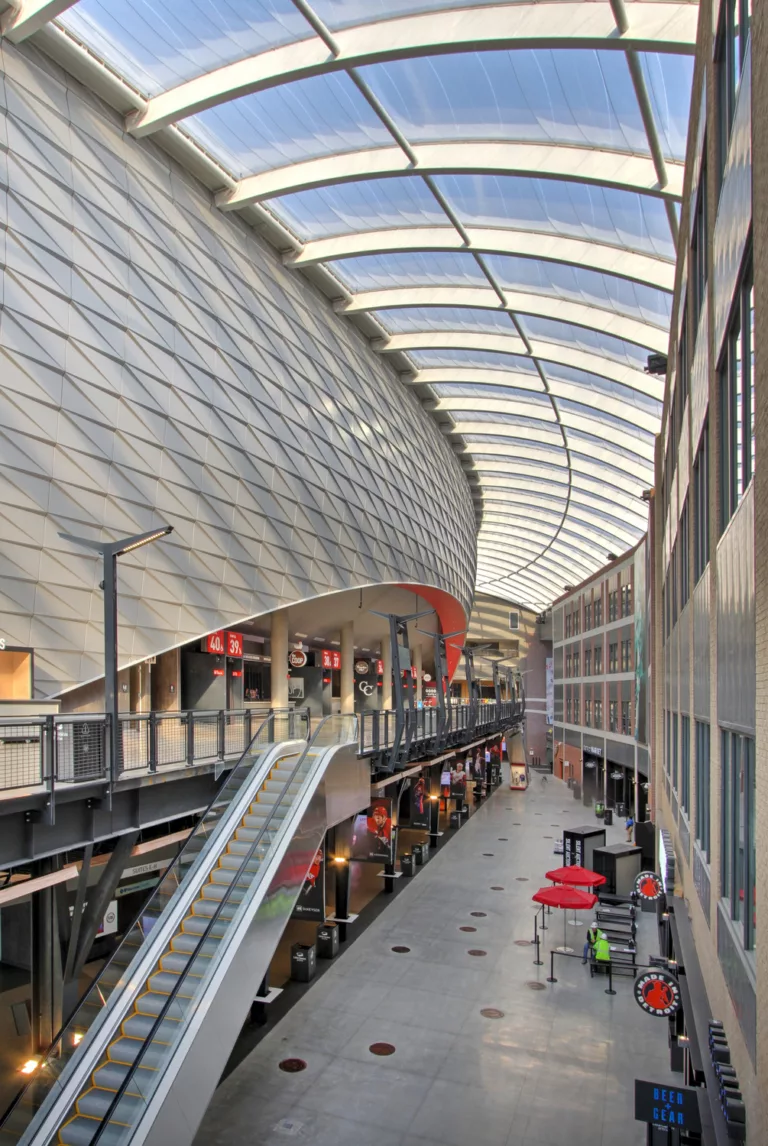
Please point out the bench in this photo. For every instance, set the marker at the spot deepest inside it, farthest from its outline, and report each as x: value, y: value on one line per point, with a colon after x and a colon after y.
x: 623, y: 961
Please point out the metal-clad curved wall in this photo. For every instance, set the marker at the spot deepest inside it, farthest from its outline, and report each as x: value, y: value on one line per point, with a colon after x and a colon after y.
x: 159, y: 364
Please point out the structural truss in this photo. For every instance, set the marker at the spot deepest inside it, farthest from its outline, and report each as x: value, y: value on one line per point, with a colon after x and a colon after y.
x: 493, y: 188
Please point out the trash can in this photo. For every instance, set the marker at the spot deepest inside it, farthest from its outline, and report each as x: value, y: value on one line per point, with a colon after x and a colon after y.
x: 418, y: 854
x: 406, y: 864
x: 599, y: 809
x: 465, y: 810
x: 576, y: 790
x: 453, y: 820
x: 303, y: 962
x: 621, y: 810
x: 327, y: 941
x: 569, y: 781
x: 608, y: 817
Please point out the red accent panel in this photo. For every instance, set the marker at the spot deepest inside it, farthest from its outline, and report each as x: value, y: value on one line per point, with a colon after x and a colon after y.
x: 451, y: 616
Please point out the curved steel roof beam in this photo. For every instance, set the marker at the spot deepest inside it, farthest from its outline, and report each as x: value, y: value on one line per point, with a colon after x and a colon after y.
x: 628, y: 415
x: 642, y: 451
x: 510, y: 343
x: 519, y: 302
x: 617, y: 169
x: 602, y: 257
x: 655, y: 27
x: 25, y: 18
x: 648, y: 384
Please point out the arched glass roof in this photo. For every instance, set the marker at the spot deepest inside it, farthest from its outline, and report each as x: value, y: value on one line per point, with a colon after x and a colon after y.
x: 494, y: 187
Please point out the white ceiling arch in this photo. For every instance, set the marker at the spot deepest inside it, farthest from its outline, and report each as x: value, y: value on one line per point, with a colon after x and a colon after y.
x: 514, y: 246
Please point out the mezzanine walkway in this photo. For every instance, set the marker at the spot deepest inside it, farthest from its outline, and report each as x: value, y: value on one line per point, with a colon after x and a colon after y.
x: 557, y: 1068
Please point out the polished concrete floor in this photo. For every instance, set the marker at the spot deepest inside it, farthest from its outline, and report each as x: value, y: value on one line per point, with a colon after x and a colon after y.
x: 556, y: 1068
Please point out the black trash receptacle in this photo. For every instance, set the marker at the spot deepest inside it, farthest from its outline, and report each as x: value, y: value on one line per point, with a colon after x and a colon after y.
x: 406, y: 864
x: 454, y: 820
x: 303, y: 962
x: 576, y: 790
x: 608, y: 817
x: 621, y: 810
x: 418, y: 854
x: 465, y: 810
x: 327, y: 941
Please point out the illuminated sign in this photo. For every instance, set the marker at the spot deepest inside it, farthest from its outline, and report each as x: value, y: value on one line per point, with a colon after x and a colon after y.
x: 664, y: 1105
x: 331, y: 659
x: 297, y: 658
x: 380, y: 668
x: 218, y: 672
x: 234, y: 644
x: 648, y: 885
x: 362, y: 668
x: 658, y: 993
x: 214, y: 643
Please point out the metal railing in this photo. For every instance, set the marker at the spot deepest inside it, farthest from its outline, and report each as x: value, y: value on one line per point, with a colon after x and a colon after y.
x: 462, y: 722
x: 64, y: 750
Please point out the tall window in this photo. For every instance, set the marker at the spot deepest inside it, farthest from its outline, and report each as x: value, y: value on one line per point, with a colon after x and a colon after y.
x: 731, y: 51
x: 613, y: 715
x: 598, y: 660
x: 626, y: 656
x: 737, y: 832
x: 675, y: 757
x: 699, y: 262
x: 587, y: 616
x: 613, y: 658
x: 685, y: 763
x: 626, y: 600
x: 588, y: 712
x: 598, y: 611
x: 685, y: 581
x: 626, y: 718
x: 737, y: 419
x: 598, y: 713
x: 613, y: 605
x: 576, y: 663
x: 568, y: 706
x: 703, y: 792
x: 701, y: 505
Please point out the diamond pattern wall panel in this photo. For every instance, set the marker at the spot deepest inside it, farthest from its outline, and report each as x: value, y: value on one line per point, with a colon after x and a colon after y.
x: 159, y: 364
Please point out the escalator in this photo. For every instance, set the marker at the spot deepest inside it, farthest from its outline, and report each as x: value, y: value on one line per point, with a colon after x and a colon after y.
x: 142, y: 1054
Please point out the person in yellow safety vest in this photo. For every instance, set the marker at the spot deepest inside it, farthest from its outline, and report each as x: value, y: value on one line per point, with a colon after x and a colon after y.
x: 592, y: 934
x: 602, y: 949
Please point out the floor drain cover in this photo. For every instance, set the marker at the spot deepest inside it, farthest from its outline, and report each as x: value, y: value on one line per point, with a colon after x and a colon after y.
x: 521, y: 878
x: 401, y: 950
x: 492, y: 1013
x: 479, y: 914
x: 533, y: 986
x: 467, y: 929
x: 497, y: 888
x: 293, y: 1065
x: 382, y: 1049
x: 476, y: 951
x: 522, y: 943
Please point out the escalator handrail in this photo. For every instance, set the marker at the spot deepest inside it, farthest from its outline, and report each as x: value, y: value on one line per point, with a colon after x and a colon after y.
x: 163, y: 1014
x: 49, y: 1053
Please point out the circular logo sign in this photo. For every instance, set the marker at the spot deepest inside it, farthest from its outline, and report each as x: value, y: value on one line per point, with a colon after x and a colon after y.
x: 648, y: 885
x: 362, y: 668
x: 658, y: 993
x: 297, y: 658
x: 427, y: 676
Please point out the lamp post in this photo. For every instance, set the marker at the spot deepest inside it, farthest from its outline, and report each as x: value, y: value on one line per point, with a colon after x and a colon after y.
x: 110, y: 551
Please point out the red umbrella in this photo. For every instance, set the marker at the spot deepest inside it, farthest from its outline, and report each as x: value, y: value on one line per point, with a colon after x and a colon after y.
x: 565, y: 897
x: 576, y: 875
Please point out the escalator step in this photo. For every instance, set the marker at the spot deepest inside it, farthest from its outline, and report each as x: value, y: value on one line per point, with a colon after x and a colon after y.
x: 125, y: 1050
x: 94, y: 1103
x: 205, y: 908
x: 152, y: 1004
x: 278, y: 785
x: 111, y: 1076
x: 137, y: 1028
x: 241, y: 847
x: 257, y: 822
x: 164, y: 982
x: 223, y: 877
x: 177, y: 958
x: 234, y: 862
x: 195, y: 925
x: 217, y: 891
x: 81, y: 1132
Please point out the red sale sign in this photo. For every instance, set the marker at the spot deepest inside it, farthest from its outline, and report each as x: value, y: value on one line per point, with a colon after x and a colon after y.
x: 234, y: 644
x: 331, y: 659
x: 214, y: 642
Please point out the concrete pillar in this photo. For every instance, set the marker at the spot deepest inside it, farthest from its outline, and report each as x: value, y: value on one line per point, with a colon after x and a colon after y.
x: 418, y: 665
x: 386, y: 691
x: 279, y: 674
x: 348, y: 667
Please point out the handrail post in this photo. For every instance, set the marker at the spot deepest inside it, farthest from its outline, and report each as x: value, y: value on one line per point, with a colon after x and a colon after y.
x: 190, y: 717
x: 543, y: 924
x: 610, y: 990
x: 551, y: 977
x: 221, y: 734
x: 152, y: 733
x: 47, y: 765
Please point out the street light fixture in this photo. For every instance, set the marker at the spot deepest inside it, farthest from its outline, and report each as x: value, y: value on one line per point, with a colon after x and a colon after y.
x: 110, y: 551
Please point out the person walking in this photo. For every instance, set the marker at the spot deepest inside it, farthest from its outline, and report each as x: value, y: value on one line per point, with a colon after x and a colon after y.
x: 593, y: 933
x: 629, y: 825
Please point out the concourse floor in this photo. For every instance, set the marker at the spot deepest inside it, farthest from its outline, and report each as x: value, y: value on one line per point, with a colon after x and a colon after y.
x: 557, y: 1068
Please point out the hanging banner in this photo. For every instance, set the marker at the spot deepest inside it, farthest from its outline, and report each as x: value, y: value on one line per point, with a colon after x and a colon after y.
x: 641, y: 645
x: 458, y: 779
x: 311, y: 902
x: 372, y: 832
x: 445, y: 783
x: 420, y: 803
x: 550, y: 678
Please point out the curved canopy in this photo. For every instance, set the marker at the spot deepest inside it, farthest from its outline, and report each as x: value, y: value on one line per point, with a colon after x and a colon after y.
x: 493, y: 188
